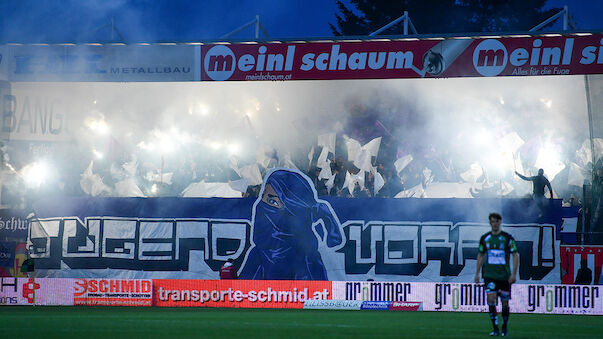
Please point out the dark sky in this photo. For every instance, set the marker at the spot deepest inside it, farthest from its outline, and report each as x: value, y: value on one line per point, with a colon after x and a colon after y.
x: 180, y: 20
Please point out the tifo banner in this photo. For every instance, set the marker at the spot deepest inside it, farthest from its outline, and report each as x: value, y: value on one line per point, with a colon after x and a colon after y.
x: 526, y: 298
x: 581, y: 264
x: 286, y: 234
x: 404, y: 58
x: 239, y: 293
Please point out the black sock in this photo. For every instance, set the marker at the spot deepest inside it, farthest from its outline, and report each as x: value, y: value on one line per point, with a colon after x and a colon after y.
x: 493, y: 316
x: 505, y: 316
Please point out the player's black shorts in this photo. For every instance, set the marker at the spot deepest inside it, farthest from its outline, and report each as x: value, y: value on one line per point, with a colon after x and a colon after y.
x: 500, y: 287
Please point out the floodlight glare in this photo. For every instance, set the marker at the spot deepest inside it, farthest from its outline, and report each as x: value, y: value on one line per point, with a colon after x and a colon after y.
x: 547, y: 102
x: 549, y: 159
x: 97, y: 154
x: 215, y: 145
x: 482, y: 138
x: 35, y: 174
x: 99, y: 127
x: 233, y: 148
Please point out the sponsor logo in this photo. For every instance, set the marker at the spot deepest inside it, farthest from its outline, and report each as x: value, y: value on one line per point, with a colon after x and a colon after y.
x: 553, y: 297
x: 112, y: 288
x: 490, y: 57
x: 459, y: 295
x: 219, y: 63
x: 375, y: 305
x: 6, y: 283
x: 239, y: 293
x: 377, y: 291
x: 406, y: 306
x: 333, y: 304
x: 113, y: 292
x: 8, y: 300
x: 29, y: 290
x: 150, y: 70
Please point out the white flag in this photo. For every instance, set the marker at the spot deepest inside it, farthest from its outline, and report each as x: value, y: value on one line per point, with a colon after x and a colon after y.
x: 263, y: 155
x: 130, y: 167
x: 322, y: 161
x: 287, y: 162
x: 575, y: 176
x: 363, y: 161
x: 252, y: 174
x: 310, y: 156
x: 165, y: 178
x: 511, y: 142
x: 353, y: 147
x: 356, y: 178
x: 401, y: 163
x: 325, y: 173
x: 239, y: 185
x: 128, y: 188
x: 210, y: 190
x: 379, y: 183
x: 373, y: 146
x: 472, y: 174
x: 327, y: 141
x: 92, y: 184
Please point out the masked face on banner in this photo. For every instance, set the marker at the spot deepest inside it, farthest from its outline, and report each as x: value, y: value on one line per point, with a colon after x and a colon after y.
x: 288, y: 222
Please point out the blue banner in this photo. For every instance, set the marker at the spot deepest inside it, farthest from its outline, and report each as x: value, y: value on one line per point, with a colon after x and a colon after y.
x: 13, y: 225
x: 7, y: 253
x: 287, y: 233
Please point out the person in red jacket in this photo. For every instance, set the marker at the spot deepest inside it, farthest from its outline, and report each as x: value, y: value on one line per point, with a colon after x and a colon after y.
x: 228, y: 271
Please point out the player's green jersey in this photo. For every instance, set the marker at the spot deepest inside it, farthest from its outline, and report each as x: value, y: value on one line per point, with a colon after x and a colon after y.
x: 497, y: 249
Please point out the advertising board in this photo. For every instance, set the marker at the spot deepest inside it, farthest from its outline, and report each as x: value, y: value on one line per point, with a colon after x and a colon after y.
x: 455, y: 297
x: 238, y: 293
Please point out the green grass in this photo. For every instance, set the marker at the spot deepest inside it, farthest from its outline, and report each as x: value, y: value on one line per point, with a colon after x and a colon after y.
x: 131, y: 322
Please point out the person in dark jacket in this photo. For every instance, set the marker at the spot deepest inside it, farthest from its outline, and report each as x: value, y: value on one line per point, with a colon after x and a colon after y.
x: 538, y: 183
x: 584, y: 275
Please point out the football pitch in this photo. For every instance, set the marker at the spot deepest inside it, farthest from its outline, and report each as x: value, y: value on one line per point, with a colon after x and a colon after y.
x: 131, y: 322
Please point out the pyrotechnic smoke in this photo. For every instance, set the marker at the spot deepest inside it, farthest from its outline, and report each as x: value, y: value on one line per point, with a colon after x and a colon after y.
x: 169, y: 126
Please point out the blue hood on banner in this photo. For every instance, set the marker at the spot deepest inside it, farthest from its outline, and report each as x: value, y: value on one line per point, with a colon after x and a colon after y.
x: 285, y: 230
x: 287, y: 233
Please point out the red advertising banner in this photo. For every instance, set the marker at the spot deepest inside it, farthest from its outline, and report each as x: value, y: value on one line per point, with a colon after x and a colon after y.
x: 238, y: 293
x: 113, y: 292
x: 581, y: 264
x: 406, y: 306
x: 405, y: 58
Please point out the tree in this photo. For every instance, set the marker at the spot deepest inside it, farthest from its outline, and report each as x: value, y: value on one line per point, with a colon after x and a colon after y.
x: 441, y: 16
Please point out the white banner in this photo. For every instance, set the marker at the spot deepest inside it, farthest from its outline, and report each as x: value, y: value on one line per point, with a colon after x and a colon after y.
x: 96, y: 62
x: 525, y: 298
